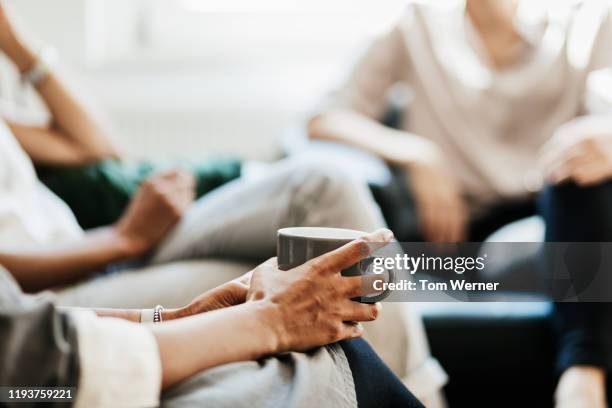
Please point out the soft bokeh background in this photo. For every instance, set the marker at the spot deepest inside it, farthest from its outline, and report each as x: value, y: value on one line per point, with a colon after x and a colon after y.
x: 190, y: 77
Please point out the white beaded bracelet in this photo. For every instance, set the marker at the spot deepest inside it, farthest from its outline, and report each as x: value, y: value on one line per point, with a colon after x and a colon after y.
x: 41, y: 68
x: 152, y: 315
x: 157, y: 314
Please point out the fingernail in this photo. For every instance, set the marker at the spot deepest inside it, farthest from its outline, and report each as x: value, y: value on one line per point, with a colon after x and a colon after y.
x: 359, y: 327
x: 379, y: 306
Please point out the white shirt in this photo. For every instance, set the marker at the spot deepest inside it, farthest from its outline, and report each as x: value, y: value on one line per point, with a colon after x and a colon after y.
x: 29, y: 212
x: 119, y: 363
x: 489, y: 123
x: 112, y: 352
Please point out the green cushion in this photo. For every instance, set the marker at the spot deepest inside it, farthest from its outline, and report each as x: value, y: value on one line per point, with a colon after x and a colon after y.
x: 98, y: 193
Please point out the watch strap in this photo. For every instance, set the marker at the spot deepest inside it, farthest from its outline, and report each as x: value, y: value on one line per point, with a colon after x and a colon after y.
x: 41, y: 68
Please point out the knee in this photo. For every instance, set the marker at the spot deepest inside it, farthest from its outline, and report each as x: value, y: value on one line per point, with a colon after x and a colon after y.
x: 571, y: 192
x: 572, y: 197
x: 573, y: 212
x: 327, y: 179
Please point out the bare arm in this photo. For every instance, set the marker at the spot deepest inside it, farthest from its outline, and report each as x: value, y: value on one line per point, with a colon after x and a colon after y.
x: 283, y: 312
x: 50, y: 146
x: 228, y: 294
x: 38, y: 268
x: 131, y: 315
x: 75, y: 135
x: 163, y: 197
x: 196, y: 343
x: 201, y: 341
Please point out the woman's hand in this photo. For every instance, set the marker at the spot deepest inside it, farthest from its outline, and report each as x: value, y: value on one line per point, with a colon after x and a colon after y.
x: 231, y: 293
x: 441, y: 209
x: 293, y: 310
x: 311, y: 305
x: 157, y: 207
x: 581, y: 151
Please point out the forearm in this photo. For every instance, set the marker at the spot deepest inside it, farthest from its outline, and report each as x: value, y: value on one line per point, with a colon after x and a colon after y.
x: 72, y: 118
x: 223, y: 336
x: 345, y: 126
x: 49, y: 147
x: 131, y: 315
x: 40, y: 268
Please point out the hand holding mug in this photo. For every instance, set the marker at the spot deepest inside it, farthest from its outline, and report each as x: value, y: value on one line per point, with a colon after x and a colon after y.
x: 310, y: 305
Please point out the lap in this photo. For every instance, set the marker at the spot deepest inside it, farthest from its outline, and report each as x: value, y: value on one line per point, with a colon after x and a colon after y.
x: 375, y: 384
x: 398, y: 205
x: 320, y: 378
x: 346, y: 374
x: 171, y: 285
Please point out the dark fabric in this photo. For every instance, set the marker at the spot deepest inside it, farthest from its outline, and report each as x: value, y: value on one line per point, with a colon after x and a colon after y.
x: 577, y: 214
x: 38, y: 344
x: 398, y: 207
x: 98, y: 193
x: 571, y: 214
x: 397, y: 204
x: 498, y: 216
x: 376, y: 386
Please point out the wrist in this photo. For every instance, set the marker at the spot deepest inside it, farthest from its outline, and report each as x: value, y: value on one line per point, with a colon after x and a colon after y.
x: 21, y: 56
x: 268, y: 326
x: 269, y: 319
x: 128, y: 245
x: 171, y: 314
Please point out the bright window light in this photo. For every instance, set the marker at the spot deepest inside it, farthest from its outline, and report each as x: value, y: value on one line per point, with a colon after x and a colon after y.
x: 289, y: 6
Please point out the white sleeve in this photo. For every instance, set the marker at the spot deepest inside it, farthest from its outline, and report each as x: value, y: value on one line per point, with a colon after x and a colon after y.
x: 119, y: 363
x: 602, y: 51
x: 598, y: 95
x: 366, y: 89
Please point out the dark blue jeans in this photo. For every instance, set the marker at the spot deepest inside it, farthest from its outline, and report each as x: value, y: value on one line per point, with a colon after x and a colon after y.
x: 571, y: 214
x: 375, y: 385
x: 579, y: 214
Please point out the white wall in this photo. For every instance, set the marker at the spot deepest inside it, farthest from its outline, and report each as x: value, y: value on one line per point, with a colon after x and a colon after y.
x: 183, y: 83
x: 58, y: 22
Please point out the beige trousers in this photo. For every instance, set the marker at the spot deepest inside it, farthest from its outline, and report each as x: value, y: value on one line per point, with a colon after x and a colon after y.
x: 239, y: 222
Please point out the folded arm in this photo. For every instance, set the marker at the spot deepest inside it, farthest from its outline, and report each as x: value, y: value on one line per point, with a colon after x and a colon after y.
x: 41, y: 267
x: 357, y: 129
x: 354, y: 114
x: 75, y: 135
x: 163, y: 197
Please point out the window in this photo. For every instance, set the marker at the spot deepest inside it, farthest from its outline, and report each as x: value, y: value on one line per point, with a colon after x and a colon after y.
x: 221, y: 27
x: 290, y: 6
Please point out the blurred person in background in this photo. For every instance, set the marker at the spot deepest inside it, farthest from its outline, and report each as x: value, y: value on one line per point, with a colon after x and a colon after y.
x: 44, y: 247
x: 497, y: 111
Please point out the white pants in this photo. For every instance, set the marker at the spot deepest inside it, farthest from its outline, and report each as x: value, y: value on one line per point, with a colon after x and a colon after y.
x: 239, y: 221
